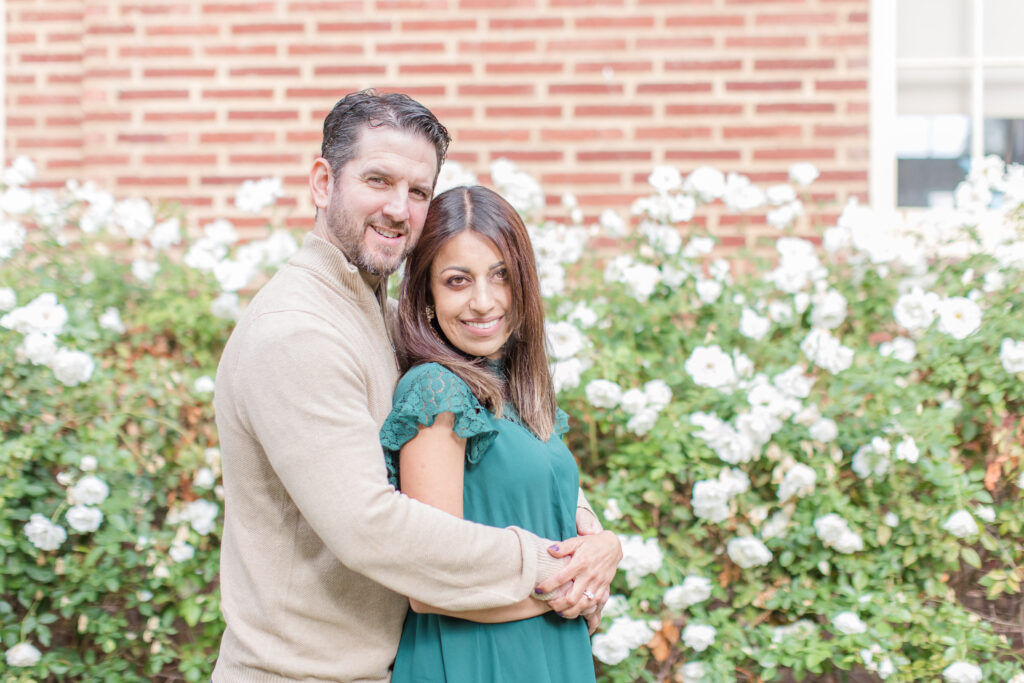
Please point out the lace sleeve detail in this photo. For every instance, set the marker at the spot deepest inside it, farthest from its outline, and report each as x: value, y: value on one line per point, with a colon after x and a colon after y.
x: 561, y: 422
x: 422, y: 394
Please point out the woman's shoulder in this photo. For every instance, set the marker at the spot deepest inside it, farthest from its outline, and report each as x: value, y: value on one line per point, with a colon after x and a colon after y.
x: 430, y: 378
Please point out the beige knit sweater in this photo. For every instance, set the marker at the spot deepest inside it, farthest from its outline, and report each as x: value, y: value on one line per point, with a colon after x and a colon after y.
x: 318, y: 550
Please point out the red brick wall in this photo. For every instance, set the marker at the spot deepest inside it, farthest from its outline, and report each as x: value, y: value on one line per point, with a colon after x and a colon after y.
x: 184, y: 99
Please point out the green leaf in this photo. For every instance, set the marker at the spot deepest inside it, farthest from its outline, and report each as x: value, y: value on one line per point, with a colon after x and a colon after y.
x: 970, y: 556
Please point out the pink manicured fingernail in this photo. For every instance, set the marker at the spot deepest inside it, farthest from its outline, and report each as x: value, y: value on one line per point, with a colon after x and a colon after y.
x: 553, y: 547
x: 537, y: 591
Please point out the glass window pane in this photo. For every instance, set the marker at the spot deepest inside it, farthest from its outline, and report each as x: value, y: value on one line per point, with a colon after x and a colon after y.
x: 933, y: 28
x: 1005, y: 139
x: 933, y: 91
x: 933, y: 156
x: 1003, y: 21
x: 1003, y: 89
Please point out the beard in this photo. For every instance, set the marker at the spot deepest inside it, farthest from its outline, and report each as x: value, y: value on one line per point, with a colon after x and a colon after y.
x: 382, y: 260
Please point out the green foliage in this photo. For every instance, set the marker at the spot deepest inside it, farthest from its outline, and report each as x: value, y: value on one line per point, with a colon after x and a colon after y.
x: 136, y: 598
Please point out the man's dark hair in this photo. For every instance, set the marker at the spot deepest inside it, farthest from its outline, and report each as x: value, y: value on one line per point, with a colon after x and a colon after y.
x: 370, y: 109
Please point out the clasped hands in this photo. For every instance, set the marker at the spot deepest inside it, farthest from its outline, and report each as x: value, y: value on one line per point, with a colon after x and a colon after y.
x: 581, y: 587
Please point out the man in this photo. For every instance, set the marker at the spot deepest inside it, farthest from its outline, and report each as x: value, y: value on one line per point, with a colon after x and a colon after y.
x: 318, y: 550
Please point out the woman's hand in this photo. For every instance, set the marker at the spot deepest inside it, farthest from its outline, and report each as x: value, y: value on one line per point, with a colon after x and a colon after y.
x: 592, y: 566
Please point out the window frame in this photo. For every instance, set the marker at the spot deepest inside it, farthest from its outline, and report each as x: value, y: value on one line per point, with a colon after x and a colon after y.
x: 885, y: 67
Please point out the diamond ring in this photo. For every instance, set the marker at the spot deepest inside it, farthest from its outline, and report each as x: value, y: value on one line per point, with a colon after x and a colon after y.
x: 588, y: 595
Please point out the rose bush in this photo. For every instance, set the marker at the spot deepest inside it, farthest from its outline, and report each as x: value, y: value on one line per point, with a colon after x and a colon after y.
x: 813, y: 460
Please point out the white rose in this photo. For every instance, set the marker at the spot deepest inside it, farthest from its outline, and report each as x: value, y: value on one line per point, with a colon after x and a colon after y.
x: 748, y: 551
x: 752, y: 325
x: 641, y: 279
x: 204, y: 478
x: 708, y: 290
x: 693, y: 672
x: 868, y: 461
x: 740, y: 195
x: 985, y: 513
x: 84, y: 519
x: 643, y: 421
x: 612, y: 224
x: 145, y: 270
x: 699, y: 637
x: 698, y: 246
x: 255, y: 195
x: 8, y: 299
x: 710, y: 500
x: 824, y: 430
x: 916, y: 310
x: 603, y: 393
x: 20, y: 172
x: 111, y: 320
x: 23, y: 654
x: 961, y: 524
x: 165, y: 234
x: 1011, y: 355
x: 134, y: 216
x: 907, y: 450
x: 829, y: 309
x: 900, y: 348
x: 565, y: 374
x: 16, y: 200
x: 633, y: 401
x: 664, y: 179
x: 826, y: 352
x: 203, y: 385
x: 37, y: 348
x: 608, y: 650
x: 803, y: 173
x: 90, y: 490
x: 611, y: 513
x: 181, y: 552
x: 959, y: 317
x: 694, y: 589
x: 793, y: 382
x: 962, y: 672
x: 201, y: 515
x: 658, y: 393
x: 709, y: 366
x: 639, y: 558
x: 798, y: 481
x: 88, y: 463
x: 583, y: 316
x: 706, y: 183
x: 836, y: 534
x: 564, y: 339
x: 226, y: 306
x: 849, y: 623
x: 43, y: 533
x: 71, y: 368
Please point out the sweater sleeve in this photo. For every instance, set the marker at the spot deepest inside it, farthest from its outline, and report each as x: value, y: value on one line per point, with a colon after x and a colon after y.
x: 300, y: 387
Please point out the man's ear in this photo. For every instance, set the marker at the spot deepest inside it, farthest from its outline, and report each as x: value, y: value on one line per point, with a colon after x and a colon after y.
x: 321, y: 182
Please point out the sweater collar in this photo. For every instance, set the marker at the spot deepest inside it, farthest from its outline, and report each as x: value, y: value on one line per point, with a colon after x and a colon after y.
x: 320, y: 256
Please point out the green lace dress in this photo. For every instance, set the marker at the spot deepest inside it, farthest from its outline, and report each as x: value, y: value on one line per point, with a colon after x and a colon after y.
x: 511, y: 478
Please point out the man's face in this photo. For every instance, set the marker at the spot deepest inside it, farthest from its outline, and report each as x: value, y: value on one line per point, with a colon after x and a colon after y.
x: 380, y: 197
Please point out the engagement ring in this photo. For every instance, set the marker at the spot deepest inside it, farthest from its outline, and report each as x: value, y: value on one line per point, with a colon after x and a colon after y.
x: 589, y: 595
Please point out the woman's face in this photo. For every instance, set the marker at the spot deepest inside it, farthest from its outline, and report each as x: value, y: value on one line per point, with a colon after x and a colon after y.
x: 469, y: 283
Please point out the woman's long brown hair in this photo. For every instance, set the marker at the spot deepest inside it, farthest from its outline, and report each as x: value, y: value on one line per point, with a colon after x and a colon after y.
x: 527, y: 381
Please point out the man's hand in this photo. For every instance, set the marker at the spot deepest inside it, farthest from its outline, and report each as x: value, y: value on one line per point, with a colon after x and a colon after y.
x: 593, y: 561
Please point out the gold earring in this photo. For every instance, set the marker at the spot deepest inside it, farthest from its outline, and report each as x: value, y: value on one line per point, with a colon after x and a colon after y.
x: 430, y: 312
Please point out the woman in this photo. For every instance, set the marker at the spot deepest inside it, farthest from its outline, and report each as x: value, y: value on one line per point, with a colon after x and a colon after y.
x: 475, y: 431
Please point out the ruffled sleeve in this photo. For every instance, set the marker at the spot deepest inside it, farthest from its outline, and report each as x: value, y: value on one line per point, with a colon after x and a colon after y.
x: 561, y: 422
x: 422, y: 394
